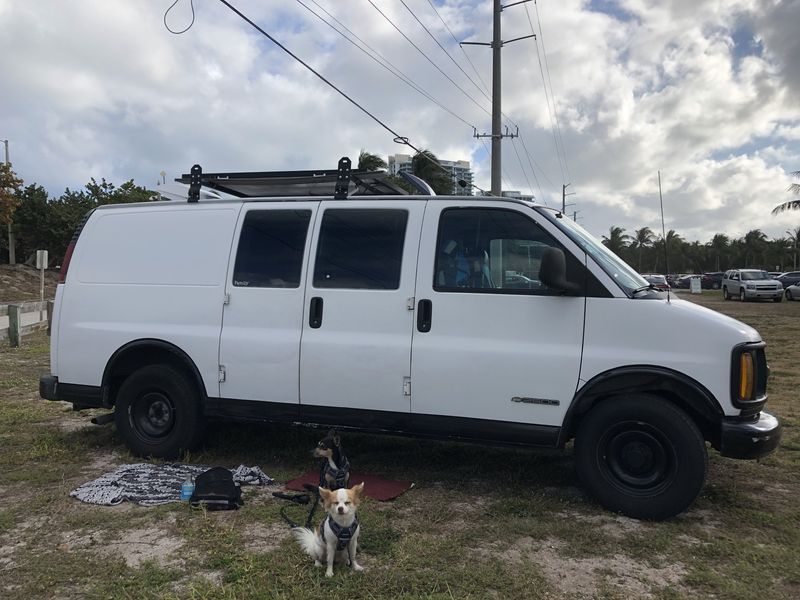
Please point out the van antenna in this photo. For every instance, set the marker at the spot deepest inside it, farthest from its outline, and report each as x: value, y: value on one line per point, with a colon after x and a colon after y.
x: 663, y: 233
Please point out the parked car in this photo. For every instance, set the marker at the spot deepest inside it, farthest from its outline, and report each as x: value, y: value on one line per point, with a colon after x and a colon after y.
x: 712, y: 281
x: 751, y: 284
x: 792, y: 292
x: 789, y: 278
x: 659, y: 281
x: 391, y: 314
x: 684, y: 281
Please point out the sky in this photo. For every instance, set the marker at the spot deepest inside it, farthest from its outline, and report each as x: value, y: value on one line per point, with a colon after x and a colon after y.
x: 608, y: 94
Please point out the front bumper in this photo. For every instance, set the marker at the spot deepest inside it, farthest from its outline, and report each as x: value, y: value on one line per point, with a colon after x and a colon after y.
x: 762, y: 294
x: 750, y: 439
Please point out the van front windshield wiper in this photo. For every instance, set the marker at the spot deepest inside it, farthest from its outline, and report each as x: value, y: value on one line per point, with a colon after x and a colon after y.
x: 644, y: 288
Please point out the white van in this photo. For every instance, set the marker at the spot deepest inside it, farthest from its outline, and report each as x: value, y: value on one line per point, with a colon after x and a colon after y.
x: 474, y: 318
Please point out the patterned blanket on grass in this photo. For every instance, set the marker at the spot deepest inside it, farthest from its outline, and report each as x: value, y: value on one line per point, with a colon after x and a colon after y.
x: 150, y: 485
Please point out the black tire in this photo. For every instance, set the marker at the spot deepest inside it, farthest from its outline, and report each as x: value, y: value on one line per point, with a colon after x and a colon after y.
x: 789, y: 295
x: 742, y: 296
x: 725, y: 294
x: 715, y: 286
x: 158, y: 412
x: 778, y: 299
x: 642, y: 456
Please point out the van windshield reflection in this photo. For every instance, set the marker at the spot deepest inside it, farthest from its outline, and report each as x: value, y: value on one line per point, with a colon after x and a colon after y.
x: 612, y: 264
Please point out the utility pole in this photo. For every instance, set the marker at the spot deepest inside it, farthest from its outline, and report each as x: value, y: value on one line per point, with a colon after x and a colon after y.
x: 564, y: 195
x: 12, y: 258
x: 497, y: 134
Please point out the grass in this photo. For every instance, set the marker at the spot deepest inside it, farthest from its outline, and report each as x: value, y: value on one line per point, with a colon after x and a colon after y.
x: 479, y: 523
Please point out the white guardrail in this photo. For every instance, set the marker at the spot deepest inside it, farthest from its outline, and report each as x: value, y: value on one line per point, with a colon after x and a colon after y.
x: 20, y: 318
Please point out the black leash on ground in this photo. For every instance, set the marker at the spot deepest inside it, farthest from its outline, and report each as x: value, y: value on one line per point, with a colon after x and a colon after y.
x: 299, y: 499
x: 304, y: 498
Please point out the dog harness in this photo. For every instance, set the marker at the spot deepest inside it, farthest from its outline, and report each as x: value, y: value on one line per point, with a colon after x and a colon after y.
x: 343, y: 534
x: 339, y: 475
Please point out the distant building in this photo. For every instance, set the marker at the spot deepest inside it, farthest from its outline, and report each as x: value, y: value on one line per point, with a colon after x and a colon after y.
x: 459, y: 170
x: 517, y: 195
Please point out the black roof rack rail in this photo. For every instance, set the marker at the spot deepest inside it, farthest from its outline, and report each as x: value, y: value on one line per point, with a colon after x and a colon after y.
x: 271, y: 184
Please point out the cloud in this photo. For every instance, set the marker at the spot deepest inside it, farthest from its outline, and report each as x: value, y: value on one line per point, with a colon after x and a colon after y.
x: 101, y: 89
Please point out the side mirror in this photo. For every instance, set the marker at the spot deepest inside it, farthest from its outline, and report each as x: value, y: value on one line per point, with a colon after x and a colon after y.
x: 553, y: 271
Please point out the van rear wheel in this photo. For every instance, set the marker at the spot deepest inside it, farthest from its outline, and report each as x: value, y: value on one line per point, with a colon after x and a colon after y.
x: 642, y: 456
x: 158, y: 412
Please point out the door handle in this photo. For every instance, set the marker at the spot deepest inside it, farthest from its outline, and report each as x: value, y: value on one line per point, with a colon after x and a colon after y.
x: 315, y: 313
x: 424, y: 315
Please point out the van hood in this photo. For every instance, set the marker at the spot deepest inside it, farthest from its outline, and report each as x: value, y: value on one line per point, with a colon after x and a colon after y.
x: 694, y: 312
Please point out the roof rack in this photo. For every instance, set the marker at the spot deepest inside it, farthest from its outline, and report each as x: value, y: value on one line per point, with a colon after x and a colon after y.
x: 339, y: 183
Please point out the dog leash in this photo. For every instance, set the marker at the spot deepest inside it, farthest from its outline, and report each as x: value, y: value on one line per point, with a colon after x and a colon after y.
x: 299, y: 499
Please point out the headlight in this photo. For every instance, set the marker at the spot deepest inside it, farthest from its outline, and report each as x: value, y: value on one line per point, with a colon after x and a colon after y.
x: 751, y: 286
x: 749, y: 372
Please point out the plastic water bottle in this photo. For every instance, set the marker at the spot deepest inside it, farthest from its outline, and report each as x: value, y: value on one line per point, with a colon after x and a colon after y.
x: 187, y: 489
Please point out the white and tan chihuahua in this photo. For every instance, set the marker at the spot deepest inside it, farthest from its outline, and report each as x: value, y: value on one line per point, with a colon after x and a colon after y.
x: 336, y: 537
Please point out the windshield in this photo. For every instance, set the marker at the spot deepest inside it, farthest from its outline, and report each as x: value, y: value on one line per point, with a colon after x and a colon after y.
x: 754, y: 275
x: 612, y: 264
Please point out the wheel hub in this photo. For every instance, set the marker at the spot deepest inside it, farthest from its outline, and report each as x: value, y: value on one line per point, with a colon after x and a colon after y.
x: 637, y: 458
x: 153, y: 415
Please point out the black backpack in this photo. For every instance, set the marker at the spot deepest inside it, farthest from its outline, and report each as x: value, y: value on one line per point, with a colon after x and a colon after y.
x: 216, y: 490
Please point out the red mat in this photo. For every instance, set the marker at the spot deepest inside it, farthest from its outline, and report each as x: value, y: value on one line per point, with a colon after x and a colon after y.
x: 375, y: 487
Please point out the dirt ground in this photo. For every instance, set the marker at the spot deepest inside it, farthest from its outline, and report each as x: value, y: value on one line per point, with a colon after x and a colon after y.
x: 21, y: 283
x: 480, y: 522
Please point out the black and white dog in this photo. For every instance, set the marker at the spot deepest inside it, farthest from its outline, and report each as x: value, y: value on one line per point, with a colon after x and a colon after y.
x: 334, y: 472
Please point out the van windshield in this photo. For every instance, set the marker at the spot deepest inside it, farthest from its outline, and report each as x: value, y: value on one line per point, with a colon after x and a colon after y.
x: 612, y: 264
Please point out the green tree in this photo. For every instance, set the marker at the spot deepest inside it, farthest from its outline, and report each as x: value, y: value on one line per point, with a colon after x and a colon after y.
x: 426, y: 166
x: 49, y: 223
x: 33, y: 222
x: 642, y: 238
x: 9, y: 188
x: 793, y: 188
x: 753, y: 244
x: 617, y: 240
x: 370, y: 162
x: 719, y: 245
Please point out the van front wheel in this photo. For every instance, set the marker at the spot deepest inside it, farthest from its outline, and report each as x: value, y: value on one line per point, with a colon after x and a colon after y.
x: 158, y: 412
x: 642, y: 456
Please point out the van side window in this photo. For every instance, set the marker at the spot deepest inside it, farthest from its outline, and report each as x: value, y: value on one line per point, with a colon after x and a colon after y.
x: 271, y: 246
x: 493, y: 250
x: 360, y: 249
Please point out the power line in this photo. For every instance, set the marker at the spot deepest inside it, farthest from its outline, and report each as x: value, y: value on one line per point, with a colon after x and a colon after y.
x: 445, y: 50
x: 437, y: 67
x: 397, y: 137
x: 464, y: 52
x: 380, y: 59
x: 551, y: 110
x: 485, y: 87
x: 519, y: 160
x: 552, y: 94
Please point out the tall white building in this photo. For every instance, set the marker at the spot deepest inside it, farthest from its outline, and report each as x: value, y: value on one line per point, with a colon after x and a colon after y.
x: 459, y: 170
x: 517, y: 194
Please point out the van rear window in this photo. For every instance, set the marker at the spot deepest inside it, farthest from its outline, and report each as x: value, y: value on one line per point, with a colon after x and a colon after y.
x: 360, y: 249
x: 271, y: 247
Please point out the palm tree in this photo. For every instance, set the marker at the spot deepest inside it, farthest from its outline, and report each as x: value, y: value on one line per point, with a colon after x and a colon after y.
x: 370, y: 162
x: 719, y: 243
x: 426, y: 166
x: 753, y: 243
x: 616, y: 240
x: 674, y: 240
x: 793, y: 188
x: 794, y: 237
x: 642, y: 238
